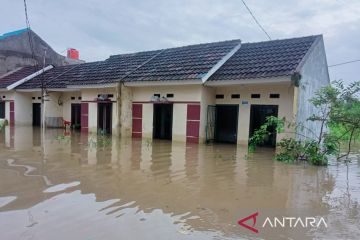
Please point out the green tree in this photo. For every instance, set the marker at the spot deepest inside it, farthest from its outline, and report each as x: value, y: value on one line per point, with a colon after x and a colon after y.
x: 338, y: 110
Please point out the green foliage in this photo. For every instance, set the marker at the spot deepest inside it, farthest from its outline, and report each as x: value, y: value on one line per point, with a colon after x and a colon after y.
x: 338, y: 109
x: 261, y: 134
x: 3, y: 123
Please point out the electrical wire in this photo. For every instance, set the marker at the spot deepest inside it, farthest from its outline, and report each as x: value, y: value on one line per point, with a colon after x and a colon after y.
x: 256, y: 21
x: 29, y: 33
x: 343, y: 63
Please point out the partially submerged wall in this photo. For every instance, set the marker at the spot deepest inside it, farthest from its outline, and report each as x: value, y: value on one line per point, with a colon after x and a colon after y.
x: 186, y: 103
x: 315, y: 75
x: 89, y: 96
x: 284, y: 102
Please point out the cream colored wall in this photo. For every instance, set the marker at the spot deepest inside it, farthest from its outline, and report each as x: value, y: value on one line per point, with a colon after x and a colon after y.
x: 179, y: 122
x: 92, y: 117
x: 285, y: 103
x: 9, y: 95
x: 125, y: 112
x: 67, y: 101
x: 147, y: 120
x: 208, y: 98
x: 52, y: 107
x: 90, y: 95
x: 23, y: 108
x: 7, y: 111
x: 182, y: 95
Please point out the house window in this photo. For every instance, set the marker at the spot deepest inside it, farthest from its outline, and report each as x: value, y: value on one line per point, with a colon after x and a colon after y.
x: 72, y: 98
x: 4, y: 96
x: 33, y: 98
x: 110, y: 95
x: 39, y: 98
x: 274, y: 95
x: 255, y: 95
x: 157, y: 95
x: 170, y: 95
x: 235, y: 95
x: 79, y: 98
x: 219, y: 96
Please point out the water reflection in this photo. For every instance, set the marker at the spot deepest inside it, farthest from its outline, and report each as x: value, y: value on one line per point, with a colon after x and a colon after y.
x: 141, y: 189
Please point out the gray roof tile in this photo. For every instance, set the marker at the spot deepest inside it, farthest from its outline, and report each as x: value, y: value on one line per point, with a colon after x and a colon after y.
x: 265, y: 59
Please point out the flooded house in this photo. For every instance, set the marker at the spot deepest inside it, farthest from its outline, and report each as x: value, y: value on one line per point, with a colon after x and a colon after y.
x: 228, y: 99
x: 13, y: 104
x: 220, y: 92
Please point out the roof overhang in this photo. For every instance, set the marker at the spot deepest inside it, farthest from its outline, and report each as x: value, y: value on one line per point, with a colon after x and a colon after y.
x: 163, y: 83
x: 267, y: 80
x: 92, y: 86
x: 31, y: 76
x: 48, y: 89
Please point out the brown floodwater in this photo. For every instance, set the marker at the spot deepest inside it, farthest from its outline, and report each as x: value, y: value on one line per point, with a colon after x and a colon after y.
x: 76, y: 186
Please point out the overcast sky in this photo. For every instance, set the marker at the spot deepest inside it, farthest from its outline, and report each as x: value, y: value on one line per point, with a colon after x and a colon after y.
x: 99, y: 28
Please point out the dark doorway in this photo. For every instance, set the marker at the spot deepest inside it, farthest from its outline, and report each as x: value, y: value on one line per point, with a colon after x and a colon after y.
x: 2, y: 110
x: 163, y: 114
x: 226, y: 123
x: 37, y: 114
x: 258, y: 115
x: 105, y: 118
x: 76, y: 115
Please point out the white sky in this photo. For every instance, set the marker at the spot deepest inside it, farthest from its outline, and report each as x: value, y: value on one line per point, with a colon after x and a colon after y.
x: 99, y: 28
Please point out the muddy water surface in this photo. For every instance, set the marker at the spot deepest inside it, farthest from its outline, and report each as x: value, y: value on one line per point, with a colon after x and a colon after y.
x: 61, y: 186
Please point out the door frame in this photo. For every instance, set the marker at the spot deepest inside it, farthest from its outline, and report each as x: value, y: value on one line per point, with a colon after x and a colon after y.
x: 250, y: 117
x: 98, y: 115
x: 40, y: 113
x: 4, y: 104
x: 172, y: 118
x: 237, y: 122
x: 74, y: 105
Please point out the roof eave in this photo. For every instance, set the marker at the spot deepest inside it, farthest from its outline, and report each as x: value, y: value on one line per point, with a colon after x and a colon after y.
x: 27, y: 78
x: 247, y: 81
x: 162, y: 83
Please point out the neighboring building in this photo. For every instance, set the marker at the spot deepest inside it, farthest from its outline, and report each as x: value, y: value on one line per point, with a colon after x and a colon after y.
x: 15, y: 52
x: 218, y: 91
x: 8, y: 98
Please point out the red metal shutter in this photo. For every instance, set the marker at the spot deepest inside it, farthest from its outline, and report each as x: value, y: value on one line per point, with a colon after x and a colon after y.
x: 192, y: 123
x: 137, y: 120
x: 12, y: 113
x: 84, y: 117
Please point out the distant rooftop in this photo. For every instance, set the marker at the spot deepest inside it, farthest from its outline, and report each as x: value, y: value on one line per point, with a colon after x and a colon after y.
x: 13, y: 33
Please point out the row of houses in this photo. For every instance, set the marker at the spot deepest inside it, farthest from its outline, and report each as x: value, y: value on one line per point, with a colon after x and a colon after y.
x: 219, y: 91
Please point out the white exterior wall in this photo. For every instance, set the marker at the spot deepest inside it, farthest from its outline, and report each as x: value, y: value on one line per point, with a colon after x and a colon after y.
x: 315, y: 75
x: 23, y: 108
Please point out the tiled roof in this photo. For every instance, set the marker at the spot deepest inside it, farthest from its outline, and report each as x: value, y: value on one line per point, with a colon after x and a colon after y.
x: 265, y: 59
x: 183, y: 63
x: 53, y: 78
x: 252, y: 60
x: 102, y: 72
x: 16, y: 76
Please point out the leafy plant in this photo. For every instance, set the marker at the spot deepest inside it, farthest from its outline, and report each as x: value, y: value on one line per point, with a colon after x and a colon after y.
x: 338, y: 108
